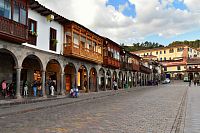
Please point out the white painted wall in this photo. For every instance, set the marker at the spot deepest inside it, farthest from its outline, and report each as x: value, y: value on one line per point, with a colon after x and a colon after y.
x: 43, y: 32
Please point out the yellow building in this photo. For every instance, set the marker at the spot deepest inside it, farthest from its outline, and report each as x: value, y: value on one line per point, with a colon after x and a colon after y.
x: 173, y: 58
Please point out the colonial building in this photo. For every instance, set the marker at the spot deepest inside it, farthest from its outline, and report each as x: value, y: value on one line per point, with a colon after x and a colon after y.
x: 173, y: 58
x: 37, y: 44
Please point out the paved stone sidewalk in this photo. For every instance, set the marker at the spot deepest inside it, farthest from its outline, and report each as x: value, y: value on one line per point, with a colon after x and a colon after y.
x: 26, y: 105
x: 192, y: 122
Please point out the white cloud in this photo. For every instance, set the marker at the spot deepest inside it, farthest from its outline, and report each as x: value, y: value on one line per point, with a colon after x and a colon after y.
x: 152, y: 17
x: 123, y: 7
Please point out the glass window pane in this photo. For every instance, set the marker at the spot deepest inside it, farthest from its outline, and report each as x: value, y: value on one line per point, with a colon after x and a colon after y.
x: 32, y: 27
x: 7, y: 12
x: 16, y: 13
x: 1, y: 7
x: 22, y: 16
x: 76, y: 39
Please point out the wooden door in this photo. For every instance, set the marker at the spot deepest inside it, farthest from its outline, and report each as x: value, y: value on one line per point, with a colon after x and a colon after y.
x: 68, y: 82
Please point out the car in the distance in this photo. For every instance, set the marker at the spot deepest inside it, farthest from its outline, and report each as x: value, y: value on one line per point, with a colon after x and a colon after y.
x: 186, y: 79
x: 166, y: 81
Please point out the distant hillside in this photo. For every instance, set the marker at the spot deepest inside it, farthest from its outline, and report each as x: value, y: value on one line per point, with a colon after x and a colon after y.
x: 142, y: 46
x: 194, y: 44
x: 150, y: 45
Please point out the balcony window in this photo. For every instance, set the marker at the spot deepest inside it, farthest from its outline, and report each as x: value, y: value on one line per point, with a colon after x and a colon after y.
x: 171, y: 50
x: 76, y: 40
x: 22, y: 16
x: 179, y: 49
x: 68, y: 39
x: 94, y: 46
x: 5, y: 8
x: 90, y: 47
x: 178, y: 68
x: 16, y: 13
x: 32, y: 34
x: 32, y: 25
x: 53, y: 40
x: 99, y: 49
x: 83, y: 41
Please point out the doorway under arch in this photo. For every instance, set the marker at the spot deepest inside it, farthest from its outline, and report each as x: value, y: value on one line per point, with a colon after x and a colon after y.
x: 93, y: 80
x: 101, y: 79
x: 82, y: 79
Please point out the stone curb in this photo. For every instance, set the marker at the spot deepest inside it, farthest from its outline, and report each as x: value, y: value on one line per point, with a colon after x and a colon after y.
x: 96, y: 95
x: 111, y: 93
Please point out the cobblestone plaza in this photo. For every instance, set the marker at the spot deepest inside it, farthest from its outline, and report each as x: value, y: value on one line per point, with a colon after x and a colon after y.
x: 158, y: 109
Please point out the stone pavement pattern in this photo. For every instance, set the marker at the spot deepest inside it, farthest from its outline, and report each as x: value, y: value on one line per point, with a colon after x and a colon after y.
x: 147, y: 110
x: 192, y: 121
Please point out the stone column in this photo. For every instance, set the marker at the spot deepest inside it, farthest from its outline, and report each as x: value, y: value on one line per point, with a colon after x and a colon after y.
x: 43, y: 84
x: 18, y: 95
x: 62, y: 83
x: 104, y: 82
x: 88, y: 83
x: 97, y: 83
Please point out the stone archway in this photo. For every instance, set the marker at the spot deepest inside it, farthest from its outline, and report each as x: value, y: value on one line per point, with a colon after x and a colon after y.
x: 82, y: 79
x: 31, y: 71
x: 130, y: 80
x: 101, y: 79
x: 125, y: 80
x: 70, y: 76
x: 8, y: 63
x: 8, y: 70
x: 53, y: 72
x: 108, y: 80
x: 93, y: 80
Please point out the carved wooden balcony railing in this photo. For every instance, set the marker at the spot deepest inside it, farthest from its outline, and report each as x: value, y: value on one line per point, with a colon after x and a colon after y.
x: 13, y: 31
x: 136, y: 67
x: 145, y: 69
x: 130, y: 66
x: 193, y: 70
x: 82, y: 53
x: 109, y: 61
x: 124, y: 65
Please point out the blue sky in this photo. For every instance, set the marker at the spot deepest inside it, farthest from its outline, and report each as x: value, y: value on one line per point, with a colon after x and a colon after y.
x: 177, y: 4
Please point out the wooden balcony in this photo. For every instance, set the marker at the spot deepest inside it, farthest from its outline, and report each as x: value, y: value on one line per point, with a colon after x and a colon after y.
x: 145, y: 69
x: 82, y: 53
x: 136, y: 67
x: 13, y: 31
x: 124, y: 65
x: 193, y: 70
x: 130, y: 66
x: 111, y: 62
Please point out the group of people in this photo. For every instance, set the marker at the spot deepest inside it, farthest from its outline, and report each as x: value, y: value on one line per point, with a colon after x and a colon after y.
x: 37, y: 88
x: 8, y: 90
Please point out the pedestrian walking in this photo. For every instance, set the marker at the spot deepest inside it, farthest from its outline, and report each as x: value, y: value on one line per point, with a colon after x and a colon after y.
x: 52, y: 90
x: 3, y: 86
x: 34, y: 88
x: 25, y: 89
x: 49, y: 84
x: 115, y: 85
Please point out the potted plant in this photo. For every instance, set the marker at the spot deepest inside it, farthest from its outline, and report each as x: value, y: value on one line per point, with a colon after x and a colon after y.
x: 33, y: 33
x: 54, y: 41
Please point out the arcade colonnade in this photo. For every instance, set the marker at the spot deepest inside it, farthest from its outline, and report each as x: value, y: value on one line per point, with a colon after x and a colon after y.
x: 20, y: 63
